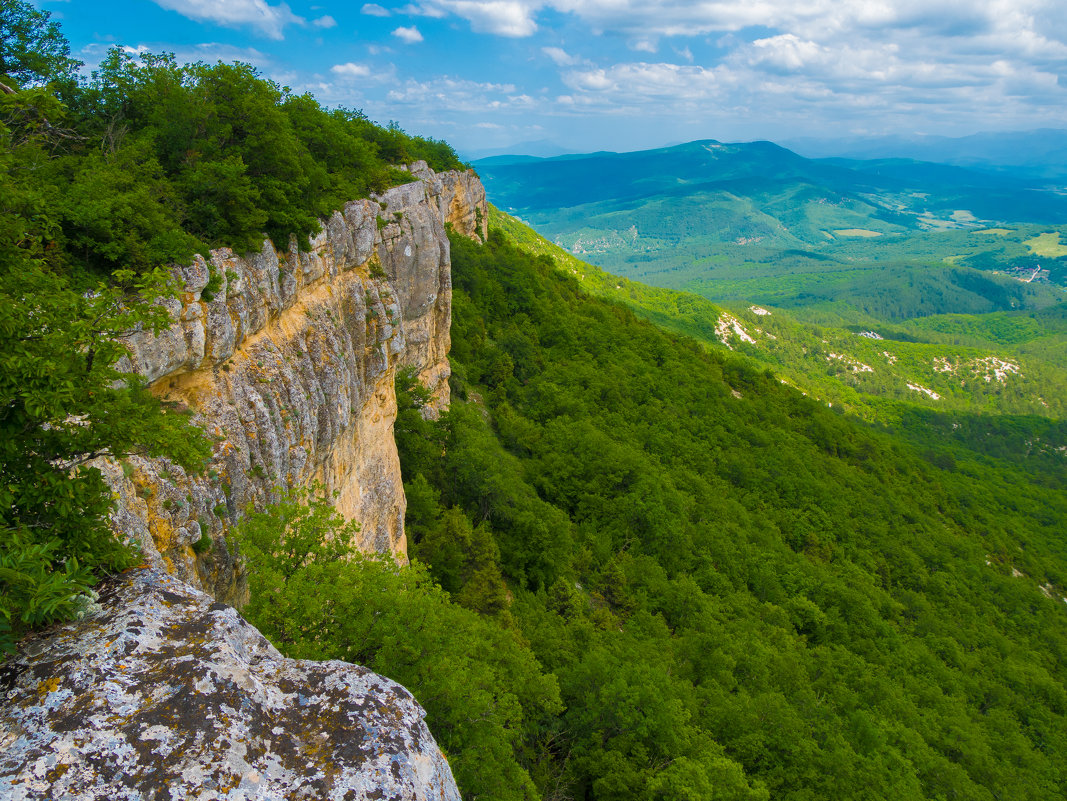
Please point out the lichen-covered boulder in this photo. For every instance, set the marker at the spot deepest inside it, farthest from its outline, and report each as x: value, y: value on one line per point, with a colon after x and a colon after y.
x: 164, y: 694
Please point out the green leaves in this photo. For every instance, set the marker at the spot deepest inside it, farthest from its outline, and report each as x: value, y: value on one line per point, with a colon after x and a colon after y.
x: 63, y: 403
x: 40, y: 586
x: 32, y: 49
x: 743, y: 597
x: 316, y: 598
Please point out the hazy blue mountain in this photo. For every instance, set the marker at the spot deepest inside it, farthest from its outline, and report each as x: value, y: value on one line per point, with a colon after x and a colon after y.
x: 540, y: 148
x: 1039, y: 153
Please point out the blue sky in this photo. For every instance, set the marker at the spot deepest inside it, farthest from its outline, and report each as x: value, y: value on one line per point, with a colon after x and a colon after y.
x: 621, y: 74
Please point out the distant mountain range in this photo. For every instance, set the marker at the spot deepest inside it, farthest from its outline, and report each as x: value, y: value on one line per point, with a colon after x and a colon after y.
x: 894, y: 190
x: 1038, y: 154
x: 540, y: 148
x: 731, y: 220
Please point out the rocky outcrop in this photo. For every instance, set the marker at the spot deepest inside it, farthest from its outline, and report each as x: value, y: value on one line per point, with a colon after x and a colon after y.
x: 166, y: 694
x: 288, y: 361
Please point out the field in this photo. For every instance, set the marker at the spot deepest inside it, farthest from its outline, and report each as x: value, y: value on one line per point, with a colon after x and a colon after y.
x: 1047, y: 244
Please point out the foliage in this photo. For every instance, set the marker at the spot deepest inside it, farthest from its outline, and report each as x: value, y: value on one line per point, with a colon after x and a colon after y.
x: 230, y: 156
x: 826, y: 349
x: 751, y: 595
x: 756, y: 223
x: 315, y: 597
x: 64, y: 402
x: 32, y: 48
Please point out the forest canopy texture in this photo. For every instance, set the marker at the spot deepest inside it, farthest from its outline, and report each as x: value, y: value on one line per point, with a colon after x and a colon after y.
x: 639, y: 570
x: 670, y: 576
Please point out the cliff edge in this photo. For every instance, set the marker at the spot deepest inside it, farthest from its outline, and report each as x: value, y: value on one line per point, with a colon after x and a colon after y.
x: 288, y: 360
x: 166, y: 694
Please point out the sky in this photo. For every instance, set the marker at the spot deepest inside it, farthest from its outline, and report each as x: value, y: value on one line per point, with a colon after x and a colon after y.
x: 621, y: 75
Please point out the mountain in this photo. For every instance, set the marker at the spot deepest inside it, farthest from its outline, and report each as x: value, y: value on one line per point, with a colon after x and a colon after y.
x: 539, y: 148
x: 622, y: 563
x: 999, y: 363
x: 757, y: 222
x: 740, y: 592
x: 1039, y: 154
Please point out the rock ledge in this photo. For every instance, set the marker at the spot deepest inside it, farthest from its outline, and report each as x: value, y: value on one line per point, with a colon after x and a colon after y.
x: 166, y: 694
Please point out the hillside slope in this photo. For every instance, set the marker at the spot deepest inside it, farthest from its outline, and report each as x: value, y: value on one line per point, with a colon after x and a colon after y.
x: 998, y: 363
x: 739, y: 592
x: 757, y: 222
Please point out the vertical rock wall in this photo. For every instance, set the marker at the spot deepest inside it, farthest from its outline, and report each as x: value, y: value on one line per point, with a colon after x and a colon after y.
x: 290, y: 364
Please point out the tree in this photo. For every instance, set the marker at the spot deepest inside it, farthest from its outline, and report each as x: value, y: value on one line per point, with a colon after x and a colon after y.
x: 315, y: 597
x: 32, y: 48
x: 64, y: 402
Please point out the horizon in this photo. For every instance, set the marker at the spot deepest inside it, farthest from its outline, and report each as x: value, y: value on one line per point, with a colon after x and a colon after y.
x: 618, y: 76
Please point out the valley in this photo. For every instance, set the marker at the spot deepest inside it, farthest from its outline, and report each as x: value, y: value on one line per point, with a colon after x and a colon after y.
x: 755, y: 222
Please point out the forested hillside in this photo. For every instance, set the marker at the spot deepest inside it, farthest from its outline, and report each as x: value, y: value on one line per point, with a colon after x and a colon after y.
x: 640, y: 569
x: 104, y: 181
x: 737, y: 592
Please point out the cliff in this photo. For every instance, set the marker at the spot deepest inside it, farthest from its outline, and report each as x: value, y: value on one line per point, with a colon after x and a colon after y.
x: 288, y: 360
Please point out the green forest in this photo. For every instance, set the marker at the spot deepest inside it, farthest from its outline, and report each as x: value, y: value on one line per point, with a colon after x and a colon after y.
x: 643, y: 570
x: 640, y: 569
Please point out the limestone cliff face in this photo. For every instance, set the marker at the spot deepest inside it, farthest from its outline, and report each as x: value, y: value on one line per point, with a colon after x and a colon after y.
x: 290, y: 364
x: 165, y: 694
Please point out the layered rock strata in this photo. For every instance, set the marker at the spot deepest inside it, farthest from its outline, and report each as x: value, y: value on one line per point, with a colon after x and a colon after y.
x: 288, y: 360
x: 166, y: 694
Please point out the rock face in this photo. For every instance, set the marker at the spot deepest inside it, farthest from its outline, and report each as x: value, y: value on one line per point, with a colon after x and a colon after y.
x: 288, y: 360
x: 165, y: 694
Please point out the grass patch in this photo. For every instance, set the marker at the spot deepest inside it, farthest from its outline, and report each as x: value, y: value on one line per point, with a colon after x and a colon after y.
x: 864, y: 232
x: 1047, y: 244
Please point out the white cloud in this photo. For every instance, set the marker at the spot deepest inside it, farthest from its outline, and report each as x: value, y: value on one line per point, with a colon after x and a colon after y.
x: 269, y: 20
x: 632, y: 82
x: 324, y: 22
x: 350, y: 70
x: 374, y: 10
x: 560, y: 56
x: 423, y: 10
x: 409, y: 35
x: 448, y: 94
x: 644, y: 46
x: 503, y: 17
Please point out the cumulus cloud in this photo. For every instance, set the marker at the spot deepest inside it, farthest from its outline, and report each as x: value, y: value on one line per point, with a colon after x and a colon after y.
x: 459, y: 95
x: 267, y: 19
x: 350, y: 70
x: 649, y: 19
x: 560, y: 56
x: 513, y: 18
x: 409, y: 35
x: 374, y: 10
x: 324, y: 22
x: 649, y: 81
x: 873, y: 60
x: 423, y: 10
